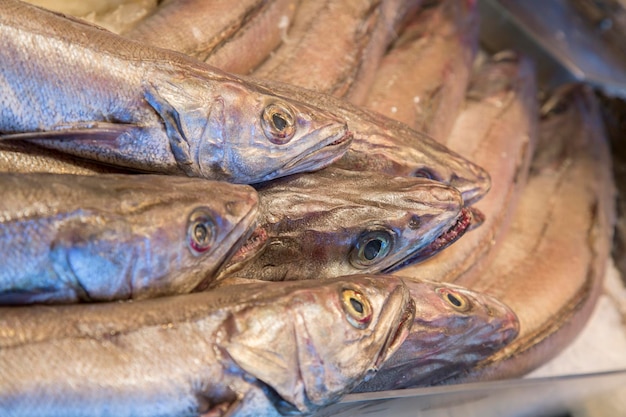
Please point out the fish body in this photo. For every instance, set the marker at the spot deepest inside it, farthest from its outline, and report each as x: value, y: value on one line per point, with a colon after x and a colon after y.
x: 385, y: 145
x: 335, y: 222
x: 244, y: 350
x: 422, y: 79
x: 69, y: 238
x: 149, y: 109
x: 454, y: 329
x: 25, y: 157
x: 497, y: 128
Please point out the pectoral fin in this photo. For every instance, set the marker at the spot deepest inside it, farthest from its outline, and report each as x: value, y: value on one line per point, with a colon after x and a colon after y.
x: 99, y: 131
x: 179, y: 143
x: 93, y: 263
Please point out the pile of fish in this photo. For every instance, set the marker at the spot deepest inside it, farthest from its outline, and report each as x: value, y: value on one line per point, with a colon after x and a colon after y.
x: 256, y: 209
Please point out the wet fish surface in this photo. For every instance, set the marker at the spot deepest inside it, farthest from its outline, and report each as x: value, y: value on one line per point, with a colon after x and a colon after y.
x: 25, y: 157
x: 69, y: 238
x: 234, y: 37
x: 127, y: 104
x: 566, y: 213
x: 335, y: 222
x: 421, y: 81
x: 258, y: 349
x: 344, y: 67
x: 454, y: 329
x: 497, y: 128
x: 384, y: 145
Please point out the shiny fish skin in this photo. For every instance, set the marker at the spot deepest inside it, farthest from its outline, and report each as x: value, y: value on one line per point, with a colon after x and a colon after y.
x: 68, y: 238
x: 497, y: 128
x: 27, y: 158
x: 329, y: 223
x: 345, y: 65
x: 229, y: 349
x: 216, y: 27
x: 385, y: 145
x: 148, y: 108
x: 567, y: 214
x: 422, y: 80
x: 448, y: 336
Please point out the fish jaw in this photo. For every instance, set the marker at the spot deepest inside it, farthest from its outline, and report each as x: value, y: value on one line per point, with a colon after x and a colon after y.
x: 445, y: 340
x: 458, y: 228
x: 384, y: 336
x: 318, y: 156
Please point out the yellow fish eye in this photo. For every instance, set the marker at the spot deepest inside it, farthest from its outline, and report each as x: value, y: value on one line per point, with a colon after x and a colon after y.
x: 278, y: 121
x: 456, y: 300
x: 357, y: 307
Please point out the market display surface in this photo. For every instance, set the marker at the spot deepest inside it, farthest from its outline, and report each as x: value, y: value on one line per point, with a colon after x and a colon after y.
x: 257, y: 209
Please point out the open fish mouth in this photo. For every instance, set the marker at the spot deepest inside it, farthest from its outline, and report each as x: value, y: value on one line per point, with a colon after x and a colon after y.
x: 233, y: 249
x: 467, y: 219
x: 320, y: 156
x: 395, y: 339
x: 251, y: 247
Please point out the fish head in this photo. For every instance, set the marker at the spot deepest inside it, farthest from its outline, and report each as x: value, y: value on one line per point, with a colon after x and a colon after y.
x: 189, y: 228
x: 322, y: 338
x: 250, y: 135
x: 336, y: 222
x: 454, y: 329
x: 386, y: 145
x: 395, y: 149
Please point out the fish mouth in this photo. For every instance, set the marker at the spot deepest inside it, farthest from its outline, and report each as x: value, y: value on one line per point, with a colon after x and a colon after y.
x: 251, y: 247
x: 320, y: 156
x: 467, y: 219
x: 248, y: 222
x: 396, y: 338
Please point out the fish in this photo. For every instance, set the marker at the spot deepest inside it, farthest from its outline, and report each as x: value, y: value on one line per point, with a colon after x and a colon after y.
x: 385, y: 145
x: 551, y: 265
x: 256, y: 349
x: 212, y: 26
x: 24, y: 157
x: 497, y: 128
x: 131, y: 105
x: 343, y: 66
x: 335, y: 222
x: 118, y: 16
x: 454, y: 329
x: 72, y: 238
x: 422, y: 79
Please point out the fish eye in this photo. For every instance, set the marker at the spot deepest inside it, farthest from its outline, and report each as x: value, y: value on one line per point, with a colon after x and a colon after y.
x: 357, y: 307
x: 278, y: 123
x: 454, y: 299
x: 424, y: 173
x: 371, y: 248
x: 200, y: 231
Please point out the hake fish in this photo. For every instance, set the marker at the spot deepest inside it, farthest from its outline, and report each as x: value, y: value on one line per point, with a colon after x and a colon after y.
x: 385, y: 145
x: 127, y: 104
x: 422, y: 79
x: 256, y: 349
x: 213, y: 30
x: 454, y: 329
x: 335, y: 222
x: 25, y: 157
x: 551, y: 265
x: 497, y: 128
x: 69, y: 238
x: 345, y: 65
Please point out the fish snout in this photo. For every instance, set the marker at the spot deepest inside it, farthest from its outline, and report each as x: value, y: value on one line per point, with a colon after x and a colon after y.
x: 473, y: 186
